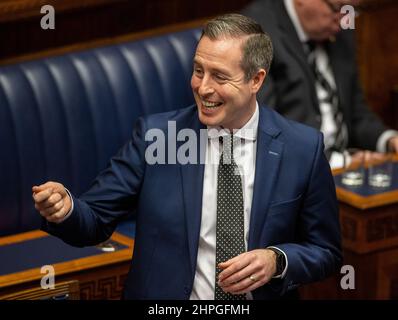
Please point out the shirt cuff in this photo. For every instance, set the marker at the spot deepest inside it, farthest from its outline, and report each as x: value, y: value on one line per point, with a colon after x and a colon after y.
x: 381, y: 145
x: 281, y: 276
x: 71, y: 208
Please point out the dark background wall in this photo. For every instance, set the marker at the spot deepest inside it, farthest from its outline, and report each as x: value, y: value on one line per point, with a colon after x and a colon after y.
x: 85, y: 20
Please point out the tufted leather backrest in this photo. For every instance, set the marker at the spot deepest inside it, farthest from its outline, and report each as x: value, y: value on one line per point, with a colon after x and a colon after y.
x: 62, y: 118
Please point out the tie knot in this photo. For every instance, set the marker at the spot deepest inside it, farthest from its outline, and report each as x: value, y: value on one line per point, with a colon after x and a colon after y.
x: 226, y: 143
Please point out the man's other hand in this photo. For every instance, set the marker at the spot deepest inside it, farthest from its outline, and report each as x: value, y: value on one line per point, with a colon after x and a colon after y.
x: 52, y: 201
x: 393, y: 144
x: 247, y: 271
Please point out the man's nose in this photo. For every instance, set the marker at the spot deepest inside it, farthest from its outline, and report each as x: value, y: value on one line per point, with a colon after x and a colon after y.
x: 205, y: 88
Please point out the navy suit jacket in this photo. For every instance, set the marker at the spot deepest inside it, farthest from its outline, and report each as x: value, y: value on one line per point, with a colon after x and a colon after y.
x: 294, y: 208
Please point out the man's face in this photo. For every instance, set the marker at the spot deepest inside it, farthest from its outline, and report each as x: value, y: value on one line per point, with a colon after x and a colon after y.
x: 321, y: 18
x: 222, y: 95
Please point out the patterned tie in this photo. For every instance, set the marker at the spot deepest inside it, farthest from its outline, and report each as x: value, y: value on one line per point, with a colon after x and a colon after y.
x: 230, y: 220
x: 331, y: 98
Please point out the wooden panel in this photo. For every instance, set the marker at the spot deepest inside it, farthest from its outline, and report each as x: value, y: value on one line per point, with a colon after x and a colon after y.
x: 368, y: 202
x: 104, y: 283
x: 394, y: 289
x: 394, y: 95
x: 376, y: 278
x: 72, y: 266
x: 366, y: 281
x: 365, y: 231
x: 11, y: 10
x: 370, y: 245
x: 104, y: 42
x: 377, y: 53
x: 85, y: 20
x: 68, y: 290
x: 21, y: 237
x: 100, y: 277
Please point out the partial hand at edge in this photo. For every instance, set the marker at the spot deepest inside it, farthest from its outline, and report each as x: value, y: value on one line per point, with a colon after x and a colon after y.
x: 393, y: 144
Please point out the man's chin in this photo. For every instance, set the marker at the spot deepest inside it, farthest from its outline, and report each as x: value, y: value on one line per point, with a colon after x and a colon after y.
x: 208, y: 120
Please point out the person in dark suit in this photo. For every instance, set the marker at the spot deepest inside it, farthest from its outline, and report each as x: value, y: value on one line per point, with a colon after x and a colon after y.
x: 256, y: 223
x: 314, y: 78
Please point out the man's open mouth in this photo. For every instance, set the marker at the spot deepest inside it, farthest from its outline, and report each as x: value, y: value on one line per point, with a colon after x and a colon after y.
x: 209, y: 104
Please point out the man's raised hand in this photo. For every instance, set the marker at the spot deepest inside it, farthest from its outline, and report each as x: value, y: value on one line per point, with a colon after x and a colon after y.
x: 52, y: 201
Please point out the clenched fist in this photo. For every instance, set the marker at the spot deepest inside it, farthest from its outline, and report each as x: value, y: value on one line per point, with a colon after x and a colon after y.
x: 52, y: 201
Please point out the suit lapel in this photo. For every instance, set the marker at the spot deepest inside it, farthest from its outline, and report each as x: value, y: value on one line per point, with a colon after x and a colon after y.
x: 291, y: 40
x: 293, y: 45
x: 268, y: 157
x: 192, y: 186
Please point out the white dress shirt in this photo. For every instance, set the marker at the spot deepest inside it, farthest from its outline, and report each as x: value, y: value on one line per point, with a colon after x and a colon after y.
x: 328, y: 124
x: 245, y: 158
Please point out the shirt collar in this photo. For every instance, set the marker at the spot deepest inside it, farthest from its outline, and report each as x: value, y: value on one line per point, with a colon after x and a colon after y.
x: 291, y: 11
x: 247, y: 132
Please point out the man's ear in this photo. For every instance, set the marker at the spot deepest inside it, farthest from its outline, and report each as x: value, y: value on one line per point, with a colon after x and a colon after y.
x: 258, y: 80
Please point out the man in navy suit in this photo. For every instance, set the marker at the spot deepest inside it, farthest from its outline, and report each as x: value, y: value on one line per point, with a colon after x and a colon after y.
x: 275, y: 195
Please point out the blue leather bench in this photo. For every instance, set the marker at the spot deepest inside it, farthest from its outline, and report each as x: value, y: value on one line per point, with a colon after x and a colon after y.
x: 62, y: 118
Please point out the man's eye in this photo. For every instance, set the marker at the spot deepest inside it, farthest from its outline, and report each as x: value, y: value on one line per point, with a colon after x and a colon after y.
x: 220, y: 77
x: 198, y: 71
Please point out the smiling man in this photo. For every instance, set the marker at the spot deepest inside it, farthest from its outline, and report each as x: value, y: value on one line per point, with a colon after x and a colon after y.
x: 258, y: 223
x: 222, y: 93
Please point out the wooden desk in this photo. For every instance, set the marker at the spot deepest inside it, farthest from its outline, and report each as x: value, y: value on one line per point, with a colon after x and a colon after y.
x: 369, y: 227
x: 100, y: 274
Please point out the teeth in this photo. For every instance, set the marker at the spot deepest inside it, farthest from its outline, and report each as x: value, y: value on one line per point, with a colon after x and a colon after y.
x: 210, y: 104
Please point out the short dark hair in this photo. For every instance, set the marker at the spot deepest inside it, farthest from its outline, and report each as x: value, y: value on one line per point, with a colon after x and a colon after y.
x: 257, y: 49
